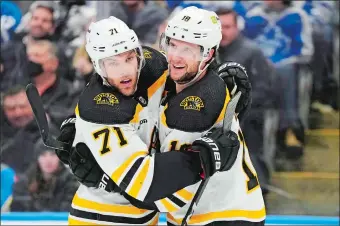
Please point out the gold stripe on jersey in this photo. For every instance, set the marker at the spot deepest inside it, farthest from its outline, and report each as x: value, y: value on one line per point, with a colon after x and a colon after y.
x: 135, y: 118
x: 173, y: 145
x: 244, y: 150
x: 246, y: 215
x: 172, y: 220
x: 168, y: 205
x: 250, y: 169
x: 163, y: 117
x: 184, y: 194
x: 76, y: 111
x: 138, y: 182
x: 108, y: 208
x: 156, y: 85
x: 155, y: 220
x: 118, y: 173
x: 226, y: 101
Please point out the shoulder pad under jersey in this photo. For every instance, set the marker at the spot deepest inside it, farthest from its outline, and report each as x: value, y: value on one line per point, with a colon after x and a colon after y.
x: 103, y: 105
x: 197, y: 107
x: 155, y: 66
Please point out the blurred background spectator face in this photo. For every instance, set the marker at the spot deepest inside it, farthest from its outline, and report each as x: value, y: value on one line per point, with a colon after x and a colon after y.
x: 275, y: 4
x: 17, y: 109
x: 48, y: 162
x: 42, y: 58
x: 230, y: 30
x: 132, y: 3
x: 41, y: 24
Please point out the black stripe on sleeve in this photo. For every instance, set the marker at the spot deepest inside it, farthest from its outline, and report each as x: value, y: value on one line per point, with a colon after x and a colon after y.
x: 113, y: 219
x: 128, y: 177
x: 176, y: 200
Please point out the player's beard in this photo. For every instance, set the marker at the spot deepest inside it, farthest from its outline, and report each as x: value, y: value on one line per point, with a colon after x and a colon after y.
x: 187, y: 77
x: 130, y: 90
x: 126, y: 90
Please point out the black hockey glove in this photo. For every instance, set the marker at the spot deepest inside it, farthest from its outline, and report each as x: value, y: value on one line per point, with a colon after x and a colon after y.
x: 86, y: 169
x: 218, y: 151
x: 67, y: 134
x: 236, y: 78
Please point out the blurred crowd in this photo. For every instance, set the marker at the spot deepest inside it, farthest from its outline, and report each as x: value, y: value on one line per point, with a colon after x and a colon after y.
x: 287, y: 48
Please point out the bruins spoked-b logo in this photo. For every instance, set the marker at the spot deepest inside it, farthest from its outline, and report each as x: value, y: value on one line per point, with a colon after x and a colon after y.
x: 106, y: 98
x: 192, y: 103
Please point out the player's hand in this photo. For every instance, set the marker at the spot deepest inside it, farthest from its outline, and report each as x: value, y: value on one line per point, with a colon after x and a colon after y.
x: 236, y: 78
x: 218, y: 151
x: 67, y: 134
x: 86, y: 169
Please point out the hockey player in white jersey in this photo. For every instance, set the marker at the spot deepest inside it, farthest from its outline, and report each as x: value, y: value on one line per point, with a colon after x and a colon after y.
x: 116, y: 118
x: 231, y: 197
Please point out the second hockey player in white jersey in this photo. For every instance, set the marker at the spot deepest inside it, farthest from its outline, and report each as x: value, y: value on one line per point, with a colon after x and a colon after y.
x: 191, y: 109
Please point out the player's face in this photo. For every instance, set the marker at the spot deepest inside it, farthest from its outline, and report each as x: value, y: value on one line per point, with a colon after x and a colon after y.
x: 122, y: 71
x: 184, y: 59
x: 48, y: 162
x: 17, y: 109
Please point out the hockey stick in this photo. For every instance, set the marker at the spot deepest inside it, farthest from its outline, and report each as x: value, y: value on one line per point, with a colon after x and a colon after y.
x: 40, y: 117
x: 227, y: 121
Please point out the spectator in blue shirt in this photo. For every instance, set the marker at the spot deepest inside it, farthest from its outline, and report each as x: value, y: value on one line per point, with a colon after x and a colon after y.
x: 7, y: 181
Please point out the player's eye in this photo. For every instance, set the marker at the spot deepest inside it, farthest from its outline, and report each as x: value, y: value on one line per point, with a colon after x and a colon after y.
x: 186, y: 50
x: 129, y: 59
x: 172, y: 45
x: 112, y: 63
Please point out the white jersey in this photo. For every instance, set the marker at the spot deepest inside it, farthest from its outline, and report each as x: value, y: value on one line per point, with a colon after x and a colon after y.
x: 118, y: 130
x: 230, y: 195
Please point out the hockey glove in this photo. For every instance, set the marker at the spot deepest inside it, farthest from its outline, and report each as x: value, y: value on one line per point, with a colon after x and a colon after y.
x: 86, y: 169
x: 67, y: 134
x: 236, y: 78
x: 218, y: 151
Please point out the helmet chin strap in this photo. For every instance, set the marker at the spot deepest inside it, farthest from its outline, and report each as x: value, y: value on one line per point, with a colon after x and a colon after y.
x: 141, y: 64
x: 194, y: 79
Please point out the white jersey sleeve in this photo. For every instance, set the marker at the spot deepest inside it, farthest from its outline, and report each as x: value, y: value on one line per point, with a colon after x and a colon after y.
x: 121, y: 154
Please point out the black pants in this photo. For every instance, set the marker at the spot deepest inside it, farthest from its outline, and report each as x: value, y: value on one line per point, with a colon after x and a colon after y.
x: 230, y: 223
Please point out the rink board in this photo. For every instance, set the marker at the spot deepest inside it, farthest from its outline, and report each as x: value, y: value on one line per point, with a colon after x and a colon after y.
x: 47, y: 218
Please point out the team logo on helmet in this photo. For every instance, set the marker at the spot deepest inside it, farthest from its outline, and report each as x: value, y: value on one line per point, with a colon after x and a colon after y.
x: 192, y: 103
x: 214, y: 19
x: 106, y: 98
